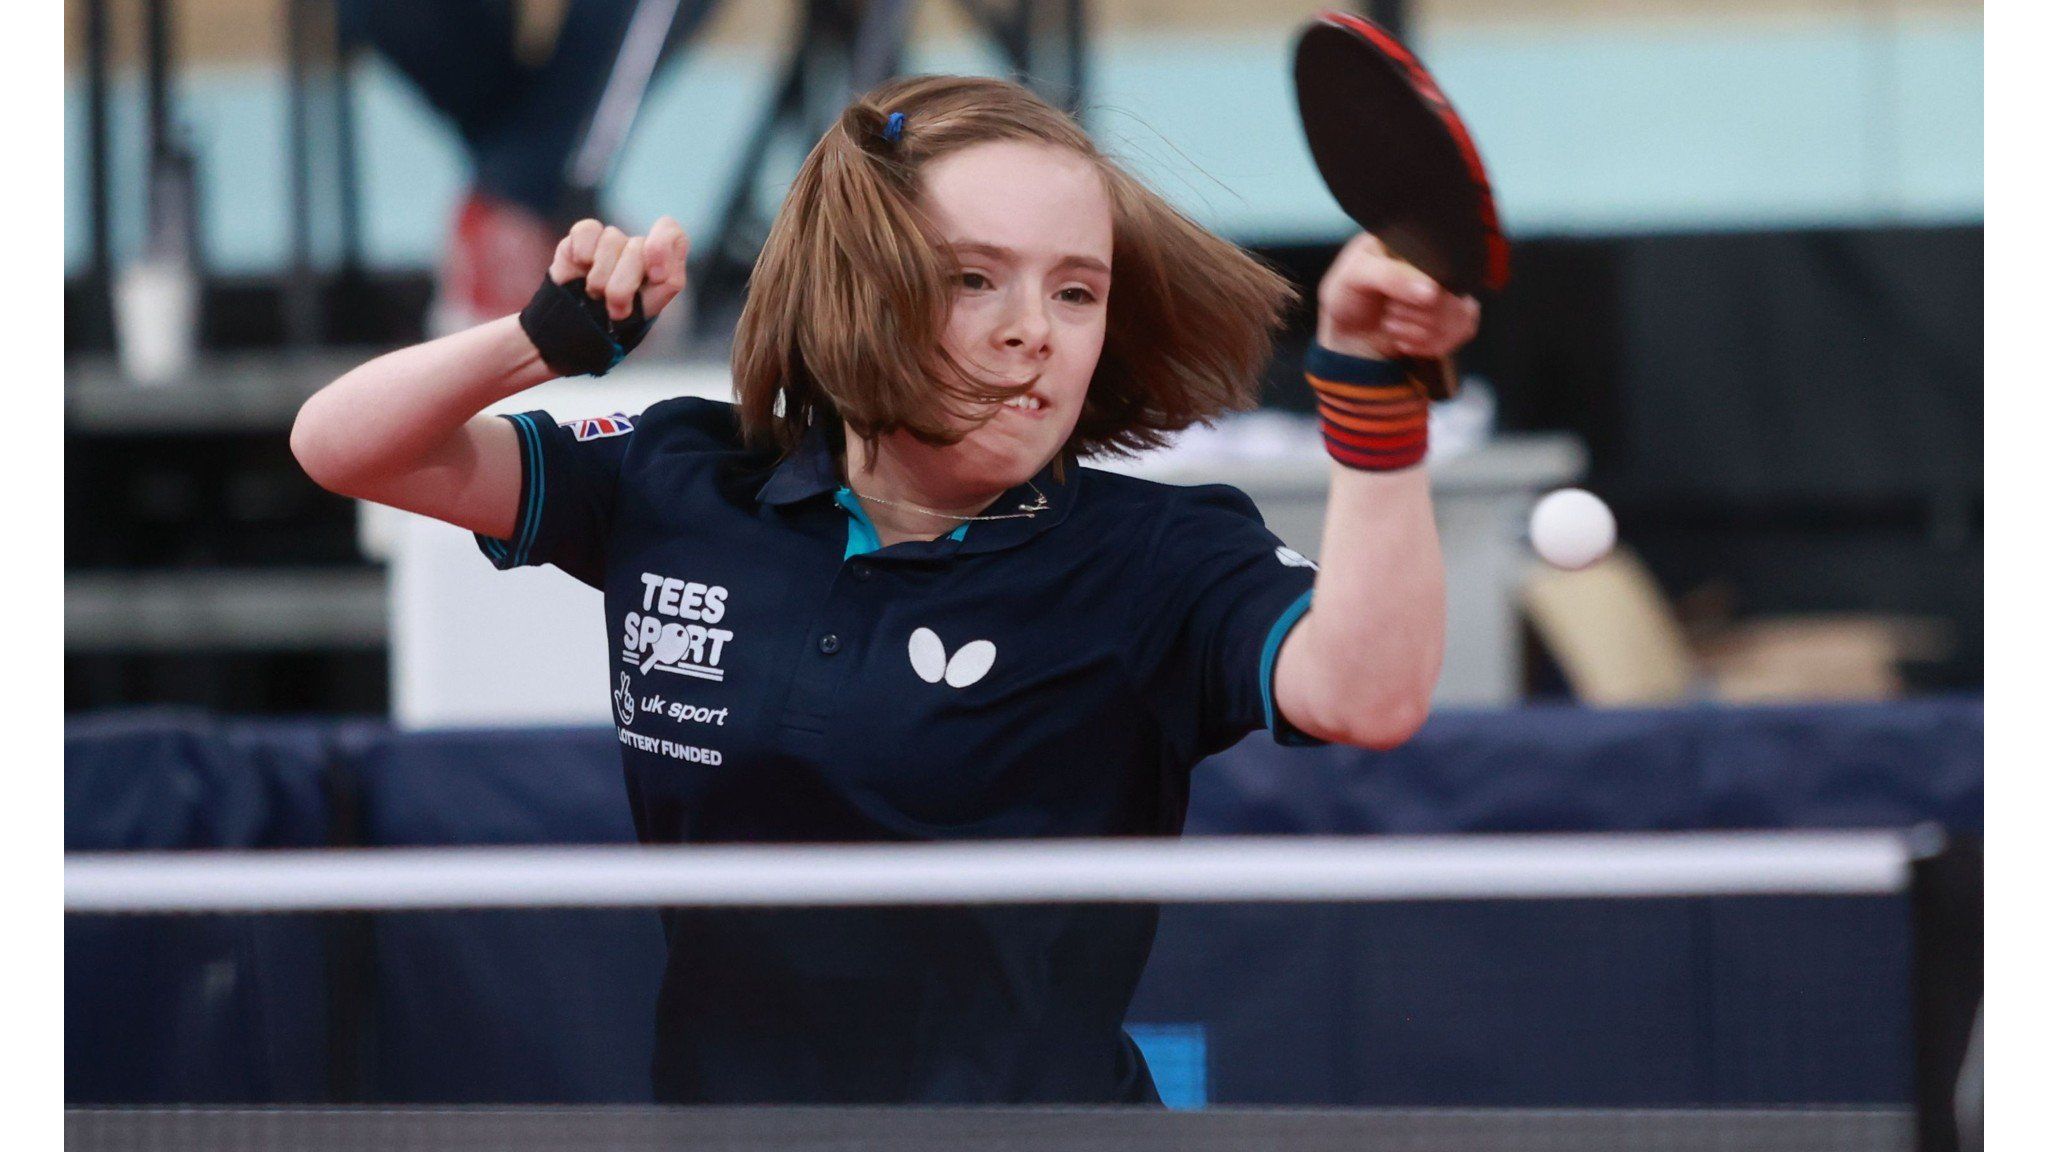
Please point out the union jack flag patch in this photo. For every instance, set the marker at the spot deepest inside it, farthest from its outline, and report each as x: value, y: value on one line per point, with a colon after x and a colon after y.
x: 598, y: 427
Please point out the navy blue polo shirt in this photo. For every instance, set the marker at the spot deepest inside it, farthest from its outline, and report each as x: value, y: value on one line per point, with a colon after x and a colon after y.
x: 777, y: 676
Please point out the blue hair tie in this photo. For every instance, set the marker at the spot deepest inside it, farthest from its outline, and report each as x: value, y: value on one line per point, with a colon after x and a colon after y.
x: 893, y: 130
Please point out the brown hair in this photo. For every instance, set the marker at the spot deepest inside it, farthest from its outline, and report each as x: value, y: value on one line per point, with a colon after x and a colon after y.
x: 850, y: 297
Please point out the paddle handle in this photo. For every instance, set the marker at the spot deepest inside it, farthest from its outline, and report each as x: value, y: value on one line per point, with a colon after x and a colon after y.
x: 1438, y: 375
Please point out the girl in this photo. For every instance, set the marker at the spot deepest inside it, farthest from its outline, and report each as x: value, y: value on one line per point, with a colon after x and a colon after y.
x: 879, y: 599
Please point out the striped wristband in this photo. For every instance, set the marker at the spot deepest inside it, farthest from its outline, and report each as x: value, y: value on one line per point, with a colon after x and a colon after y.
x: 1374, y: 416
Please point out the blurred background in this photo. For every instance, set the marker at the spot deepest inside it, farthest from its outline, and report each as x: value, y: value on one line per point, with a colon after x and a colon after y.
x: 1747, y: 310
x: 1748, y: 281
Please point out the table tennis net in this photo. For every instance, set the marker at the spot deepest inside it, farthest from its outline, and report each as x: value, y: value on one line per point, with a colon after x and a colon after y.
x: 1397, y: 1067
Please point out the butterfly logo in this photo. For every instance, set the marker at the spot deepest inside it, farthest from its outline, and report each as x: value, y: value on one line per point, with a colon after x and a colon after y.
x: 623, y: 701
x: 967, y: 666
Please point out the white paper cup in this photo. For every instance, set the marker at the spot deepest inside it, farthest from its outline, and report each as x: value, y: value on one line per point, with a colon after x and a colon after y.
x: 156, y: 321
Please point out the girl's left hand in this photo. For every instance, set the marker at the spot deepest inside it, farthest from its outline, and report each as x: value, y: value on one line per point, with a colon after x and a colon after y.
x: 1373, y: 304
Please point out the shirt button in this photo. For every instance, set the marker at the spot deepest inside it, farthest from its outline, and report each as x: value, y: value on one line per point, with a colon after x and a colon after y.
x: 862, y: 572
x: 828, y: 643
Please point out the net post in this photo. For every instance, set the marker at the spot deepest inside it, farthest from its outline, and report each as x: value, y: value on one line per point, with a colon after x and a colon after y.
x: 1947, y: 901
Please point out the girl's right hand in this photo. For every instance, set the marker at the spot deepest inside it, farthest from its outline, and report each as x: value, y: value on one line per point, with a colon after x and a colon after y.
x: 614, y: 266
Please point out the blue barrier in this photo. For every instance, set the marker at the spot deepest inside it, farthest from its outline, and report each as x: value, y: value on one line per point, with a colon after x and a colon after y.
x: 505, y: 1007
x: 1551, y: 1003
x: 195, y: 1008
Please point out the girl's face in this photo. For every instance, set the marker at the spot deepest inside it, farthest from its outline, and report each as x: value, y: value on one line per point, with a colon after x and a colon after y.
x: 1029, y: 225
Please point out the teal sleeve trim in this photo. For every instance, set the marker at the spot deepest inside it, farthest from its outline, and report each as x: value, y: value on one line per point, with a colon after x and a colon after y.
x: 536, y: 490
x: 1269, y: 659
x: 533, y: 495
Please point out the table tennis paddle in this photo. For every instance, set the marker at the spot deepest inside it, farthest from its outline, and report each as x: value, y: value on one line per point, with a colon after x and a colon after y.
x: 1399, y: 161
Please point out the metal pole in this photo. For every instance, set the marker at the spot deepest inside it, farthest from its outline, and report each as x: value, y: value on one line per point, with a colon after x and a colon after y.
x: 172, y: 187
x: 348, y: 174
x: 1077, y: 55
x: 157, y: 73
x: 99, y: 301
x: 625, y: 89
x: 301, y: 294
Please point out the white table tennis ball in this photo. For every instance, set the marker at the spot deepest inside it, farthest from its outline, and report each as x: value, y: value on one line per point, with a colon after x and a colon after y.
x: 1571, y: 528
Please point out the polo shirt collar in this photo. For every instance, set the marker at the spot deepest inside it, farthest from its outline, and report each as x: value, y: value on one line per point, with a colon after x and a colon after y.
x: 811, y: 471
x: 804, y: 473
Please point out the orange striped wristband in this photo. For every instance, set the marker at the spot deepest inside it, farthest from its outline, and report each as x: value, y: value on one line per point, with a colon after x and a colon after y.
x: 1374, y: 417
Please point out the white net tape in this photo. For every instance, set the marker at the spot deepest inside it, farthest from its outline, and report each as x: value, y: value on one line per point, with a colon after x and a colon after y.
x: 1200, y: 870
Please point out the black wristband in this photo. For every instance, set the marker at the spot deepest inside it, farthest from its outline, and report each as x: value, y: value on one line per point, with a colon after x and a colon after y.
x: 574, y: 333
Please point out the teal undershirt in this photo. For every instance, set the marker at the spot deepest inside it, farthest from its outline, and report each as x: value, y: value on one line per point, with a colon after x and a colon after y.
x: 861, y: 537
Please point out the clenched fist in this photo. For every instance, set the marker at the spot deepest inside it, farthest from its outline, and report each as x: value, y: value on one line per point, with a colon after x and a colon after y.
x: 614, y: 266
x: 1373, y: 304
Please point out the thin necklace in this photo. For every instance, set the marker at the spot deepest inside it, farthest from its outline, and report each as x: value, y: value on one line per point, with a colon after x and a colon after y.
x: 1023, y: 512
